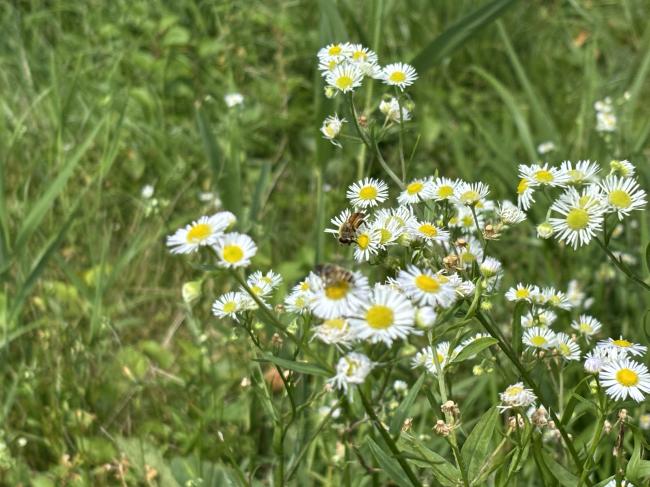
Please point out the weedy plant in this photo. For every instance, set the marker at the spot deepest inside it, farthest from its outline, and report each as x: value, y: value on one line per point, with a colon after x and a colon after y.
x: 382, y: 336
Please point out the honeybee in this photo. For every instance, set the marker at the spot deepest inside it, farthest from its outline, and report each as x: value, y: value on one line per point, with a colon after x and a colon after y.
x: 348, y: 230
x: 332, y: 274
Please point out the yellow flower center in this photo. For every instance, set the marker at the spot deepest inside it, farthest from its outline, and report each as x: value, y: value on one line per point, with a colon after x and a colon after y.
x: 522, y: 293
x: 544, y: 176
x: 414, y: 188
x: 467, y: 221
x: 428, y: 230
x: 338, y: 323
x: 577, y: 219
x: 199, y: 232
x: 514, y: 390
x: 586, y: 328
x: 386, y: 235
x: 467, y: 257
x: 363, y: 241
x: 576, y: 175
x: 338, y: 290
x: 564, y: 349
x: 440, y: 357
x: 256, y: 290
x: 230, y: 307
x: 359, y: 55
x: 330, y: 130
x: 619, y: 198
x: 232, y: 253
x: 304, y: 286
x: 622, y: 343
x: 397, y: 77
x: 445, y: 191
x: 538, y: 341
x: 344, y: 82
x: 379, y: 317
x: 335, y: 50
x: 427, y: 284
x: 522, y: 186
x: 368, y: 193
x: 627, y: 377
x: 469, y: 196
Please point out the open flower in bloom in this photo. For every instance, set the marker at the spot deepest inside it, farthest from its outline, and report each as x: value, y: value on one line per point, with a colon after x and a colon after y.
x: 335, y: 331
x: 509, y: 214
x: 470, y: 252
x: 622, y: 195
x: 490, y: 267
x: 233, y: 99
x: 352, y: 368
x: 623, y: 168
x: 332, y: 128
x: 228, y: 305
x: 428, y: 356
x: 624, y: 378
x: 338, y: 221
x: 516, y: 396
x: 582, y: 172
x: 525, y: 191
x: 566, y: 347
x: 622, y: 345
x: 205, y: 231
x: 416, y: 191
x: 367, y: 193
x: 388, y: 229
x: 444, y: 189
x: 387, y: 316
x: 425, y: 317
x: 555, y: 298
x: 606, y: 122
x: 399, y: 74
x: 581, y: 217
x: 367, y: 244
x: 545, y: 147
x: 299, y: 301
x: 537, y: 175
x: 391, y: 108
x: 522, y: 292
x: 586, y: 325
x: 428, y: 232
x: 427, y: 288
x: 336, y: 51
x: 539, y: 338
x: 471, y: 194
x: 357, y: 53
x: 338, y: 295
x: 344, y: 77
x: 543, y: 319
x: 235, y: 250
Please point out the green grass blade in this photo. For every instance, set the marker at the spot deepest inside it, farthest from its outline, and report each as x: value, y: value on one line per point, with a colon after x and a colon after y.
x: 454, y: 37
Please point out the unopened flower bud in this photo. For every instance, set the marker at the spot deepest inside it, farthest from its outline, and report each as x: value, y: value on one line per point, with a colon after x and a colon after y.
x: 607, y: 426
x: 406, y: 426
x: 622, y: 415
x: 544, y: 230
x: 191, y: 292
x: 330, y: 92
x: 441, y: 428
x: 540, y: 417
x: 450, y: 407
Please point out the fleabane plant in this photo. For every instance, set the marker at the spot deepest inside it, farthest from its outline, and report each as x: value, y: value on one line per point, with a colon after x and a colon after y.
x: 420, y: 304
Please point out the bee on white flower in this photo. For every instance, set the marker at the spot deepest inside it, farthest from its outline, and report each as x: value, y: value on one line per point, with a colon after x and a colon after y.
x: 622, y: 195
x: 581, y: 217
x: 332, y: 128
x: 566, y: 347
x: 351, y: 369
x: 391, y: 109
x: 399, y: 74
x: 416, y: 191
x: 235, y: 250
x: 207, y: 230
x: 586, y: 325
x: 427, y: 288
x: 583, y: 172
x: 623, y: 346
x: 537, y: 175
x: 367, y: 193
x: 625, y: 377
x: 516, y: 396
x: 539, y: 338
x: 522, y: 292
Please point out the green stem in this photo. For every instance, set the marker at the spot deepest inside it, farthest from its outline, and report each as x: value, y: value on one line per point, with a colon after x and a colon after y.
x: 595, y: 439
x: 389, y: 440
x: 507, y: 350
x: 625, y: 269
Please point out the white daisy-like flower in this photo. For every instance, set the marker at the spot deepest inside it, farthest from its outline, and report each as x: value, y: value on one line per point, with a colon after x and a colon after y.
x: 509, y: 214
x: 516, y: 396
x: 623, y: 168
x: 416, y: 191
x: 575, y: 294
x: 490, y: 267
x: 335, y: 331
x: 351, y: 369
x: 338, y: 221
x: 427, y: 357
x: 595, y: 360
x: 388, y: 229
x: 525, y: 191
x: 344, y: 77
x: 228, y: 305
x: 465, y: 289
x: 582, y: 216
x: 391, y: 108
x: 586, y: 325
x: 298, y: 302
x: 326, y: 66
x: 331, y: 128
x: 606, y: 122
x: 544, y: 319
x: 400, y: 386
x: 624, y: 378
x: 539, y: 338
x: 399, y: 74
x: 445, y: 189
x: 336, y: 50
x: 428, y: 232
x: 338, y: 295
x: 469, y: 253
x: 582, y: 173
x: 622, y: 345
x: 555, y: 298
x: 233, y: 99
x: 464, y: 219
x: 403, y: 216
x: 538, y: 175
x: 367, y: 192
x: 260, y: 288
x: 272, y: 278
x: 545, y: 147
x: 269, y: 281
x: 205, y: 231
x: 235, y: 250
x: 622, y: 195
x: 387, y: 316
x: 522, y: 292
x: 357, y: 53
x: 367, y: 244
x: 566, y: 347
x: 425, y: 317
x: 427, y: 288
x: 470, y: 194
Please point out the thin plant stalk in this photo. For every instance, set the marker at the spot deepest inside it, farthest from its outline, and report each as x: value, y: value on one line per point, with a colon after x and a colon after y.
x: 622, y: 267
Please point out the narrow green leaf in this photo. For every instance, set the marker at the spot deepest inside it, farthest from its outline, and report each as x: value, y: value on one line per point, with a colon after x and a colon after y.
x: 443, y: 471
x: 454, y: 37
x: 262, y: 391
x: 332, y: 28
x: 561, y: 474
x: 477, y: 445
x: 302, y: 367
x: 260, y: 190
x: 405, y: 406
x: 388, y: 464
x: 477, y: 346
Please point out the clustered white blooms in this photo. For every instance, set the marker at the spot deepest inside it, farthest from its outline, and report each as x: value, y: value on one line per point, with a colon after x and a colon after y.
x: 606, y: 120
x: 578, y: 214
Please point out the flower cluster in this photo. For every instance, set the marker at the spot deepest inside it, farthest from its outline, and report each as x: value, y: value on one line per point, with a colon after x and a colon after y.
x: 579, y: 212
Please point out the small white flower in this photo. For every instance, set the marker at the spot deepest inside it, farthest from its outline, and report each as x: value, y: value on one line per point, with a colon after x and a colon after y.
x: 623, y: 346
x: 425, y: 317
x: 228, y: 305
x: 336, y: 50
x: 233, y: 99
x: 581, y: 217
x: 416, y: 191
x: 539, y: 338
x: 622, y: 195
x: 359, y: 54
x: 490, y: 267
x: 391, y: 108
x: 299, y: 301
x: 555, y: 298
x: 147, y: 191
x: 465, y: 289
x: 344, y: 77
x: 544, y: 230
x: 426, y: 287
x: 470, y: 194
x: 352, y: 368
x: 367, y: 193
x: 586, y: 325
x: 470, y: 253
x: 338, y: 296
x: 235, y: 250
x: 335, y: 331
x: 606, y: 122
x: 522, y: 292
x: 332, y: 127
x: 544, y: 319
x: 623, y: 168
x: 388, y: 228
x: 537, y: 175
x: 584, y: 171
x: 207, y: 230
x: 367, y: 244
x: 525, y: 191
x: 566, y: 347
x: 516, y: 396
x: 427, y: 357
x: 445, y: 189
x: 428, y: 232
x: 399, y: 74
x: 624, y: 378
x: 400, y: 386
x: 510, y: 214
x: 545, y: 147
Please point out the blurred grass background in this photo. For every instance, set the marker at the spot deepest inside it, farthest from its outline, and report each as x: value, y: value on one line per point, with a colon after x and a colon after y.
x: 99, y: 356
